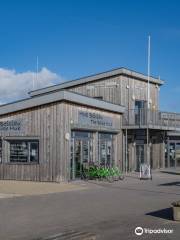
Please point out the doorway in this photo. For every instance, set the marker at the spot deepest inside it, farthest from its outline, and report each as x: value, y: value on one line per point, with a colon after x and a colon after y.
x: 174, y: 154
x: 81, y: 152
x: 178, y: 154
x: 139, y: 155
x: 140, y: 106
x: 106, y: 150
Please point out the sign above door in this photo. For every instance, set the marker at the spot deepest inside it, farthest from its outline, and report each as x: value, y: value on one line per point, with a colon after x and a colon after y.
x: 94, y: 119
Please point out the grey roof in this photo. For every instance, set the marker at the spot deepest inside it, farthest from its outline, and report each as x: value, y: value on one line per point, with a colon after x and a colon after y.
x: 96, y: 77
x: 59, y: 96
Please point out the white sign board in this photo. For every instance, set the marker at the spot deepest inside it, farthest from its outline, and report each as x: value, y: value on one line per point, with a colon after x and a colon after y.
x: 145, y: 171
x: 15, y: 125
x: 94, y: 119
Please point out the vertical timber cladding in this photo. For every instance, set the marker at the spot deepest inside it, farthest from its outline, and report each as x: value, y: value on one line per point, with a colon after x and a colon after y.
x: 158, y: 150
x: 49, y: 124
x: 121, y: 90
x: 73, y: 111
x: 46, y: 124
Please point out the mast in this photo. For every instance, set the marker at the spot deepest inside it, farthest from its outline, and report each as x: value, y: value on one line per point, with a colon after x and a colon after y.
x: 148, y: 99
x: 37, y: 70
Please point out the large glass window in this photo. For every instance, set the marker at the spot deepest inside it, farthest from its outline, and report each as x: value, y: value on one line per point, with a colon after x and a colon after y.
x: 140, y: 112
x: 106, y: 149
x: 24, y: 151
x: 81, y: 152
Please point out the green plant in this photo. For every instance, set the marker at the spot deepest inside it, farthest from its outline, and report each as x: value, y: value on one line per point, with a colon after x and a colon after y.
x: 93, y: 172
x: 102, y: 172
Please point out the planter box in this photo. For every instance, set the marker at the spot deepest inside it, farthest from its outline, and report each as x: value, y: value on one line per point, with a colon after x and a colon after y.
x: 176, y: 213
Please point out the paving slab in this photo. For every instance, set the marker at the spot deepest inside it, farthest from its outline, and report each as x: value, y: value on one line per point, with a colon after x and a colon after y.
x: 27, y: 188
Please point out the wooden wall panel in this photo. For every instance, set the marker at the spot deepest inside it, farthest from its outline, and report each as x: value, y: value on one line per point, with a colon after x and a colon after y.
x: 49, y: 123
x: 120, y: 90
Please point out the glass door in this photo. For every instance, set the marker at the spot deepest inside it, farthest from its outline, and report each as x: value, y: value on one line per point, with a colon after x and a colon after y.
x: 172, y: 154
x: 77, y: 158
x: 106, y: 149
x: 81, y: 152
x: 140, y: 112
x: 139, y: 156
x: 178, y: 154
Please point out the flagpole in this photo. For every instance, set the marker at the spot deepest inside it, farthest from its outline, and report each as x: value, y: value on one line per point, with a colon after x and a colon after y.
x: 149, y: 55
x: 148, y: 98
x: 37, y: 70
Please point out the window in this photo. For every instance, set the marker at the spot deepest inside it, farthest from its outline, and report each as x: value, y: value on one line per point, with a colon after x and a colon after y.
x: 140, y: 104
x: 140, y: 113
x: 98, y: 97
x: 106, y: 149
x: 24, y: 151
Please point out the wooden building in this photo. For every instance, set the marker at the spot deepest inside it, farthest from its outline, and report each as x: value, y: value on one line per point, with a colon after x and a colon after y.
x: 42, y: 138
x: 102, y: 118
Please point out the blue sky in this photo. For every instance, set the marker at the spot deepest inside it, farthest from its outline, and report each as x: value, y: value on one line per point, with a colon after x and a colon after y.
x: 78, y: 38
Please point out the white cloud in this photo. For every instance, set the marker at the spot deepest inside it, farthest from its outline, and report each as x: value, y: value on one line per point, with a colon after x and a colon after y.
x: 15, y: 85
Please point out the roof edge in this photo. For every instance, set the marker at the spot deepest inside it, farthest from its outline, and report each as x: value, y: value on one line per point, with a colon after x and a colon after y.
x: 95, y: 77
x: 59, y: 96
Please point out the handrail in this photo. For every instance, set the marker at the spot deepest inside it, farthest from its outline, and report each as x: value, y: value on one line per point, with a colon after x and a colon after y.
x: 147, y: 117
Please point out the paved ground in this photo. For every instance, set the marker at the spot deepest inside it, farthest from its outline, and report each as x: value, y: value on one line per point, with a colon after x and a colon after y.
x: 107, y: 211
x: 25, y: 188
x: 175, y: 171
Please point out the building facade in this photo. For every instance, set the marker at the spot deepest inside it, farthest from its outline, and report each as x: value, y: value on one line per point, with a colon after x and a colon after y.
x: 101, y: 119
x: 49, y: 137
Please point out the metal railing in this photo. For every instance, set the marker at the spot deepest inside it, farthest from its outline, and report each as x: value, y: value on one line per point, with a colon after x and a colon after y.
x: 152, y: 118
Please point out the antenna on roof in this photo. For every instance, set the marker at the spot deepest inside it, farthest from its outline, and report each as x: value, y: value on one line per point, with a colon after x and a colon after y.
x: 33, y: 82
x: 35, y: 76
x: 37, y: 70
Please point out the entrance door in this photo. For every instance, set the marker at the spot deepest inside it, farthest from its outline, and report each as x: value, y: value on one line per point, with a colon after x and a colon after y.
x: 81, y: 152
x: 178, y: 154
x: 106, y: 149
x: 172, y: 154
x: 140, y: 112
x: 139, y: 155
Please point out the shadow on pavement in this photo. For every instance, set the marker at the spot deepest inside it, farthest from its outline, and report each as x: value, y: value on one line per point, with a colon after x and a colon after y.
x: 165, y: 213
x: 170, y: 172
x: 170, y: 184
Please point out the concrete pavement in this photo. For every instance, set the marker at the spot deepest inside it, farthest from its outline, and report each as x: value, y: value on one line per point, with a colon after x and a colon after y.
x: 26, y: 188
x: 106, y: 211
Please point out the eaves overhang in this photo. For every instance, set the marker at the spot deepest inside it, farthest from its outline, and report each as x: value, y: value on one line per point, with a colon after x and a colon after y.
x: 64, y: 95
